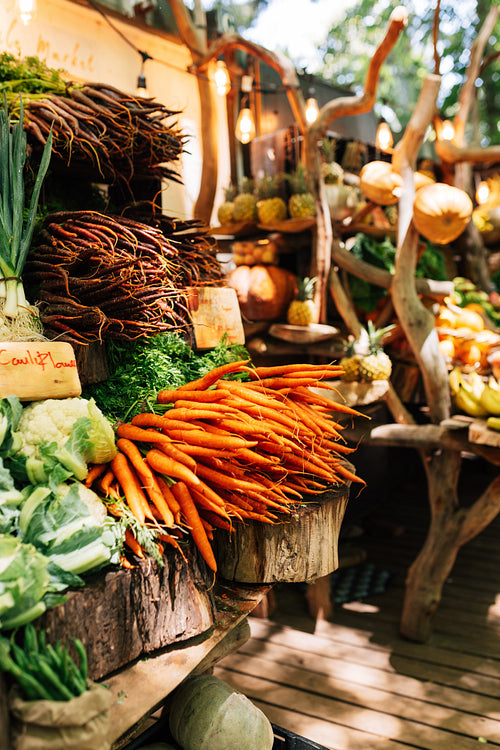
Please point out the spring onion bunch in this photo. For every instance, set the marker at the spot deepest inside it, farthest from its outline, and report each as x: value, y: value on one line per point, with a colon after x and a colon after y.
x: 16, y: 230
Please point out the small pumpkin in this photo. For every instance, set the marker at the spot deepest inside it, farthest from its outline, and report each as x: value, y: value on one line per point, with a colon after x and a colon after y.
x: 441, y: 212
x: 421, y: 179
x: 264, y: 292
x: 206, y: 713
x: 379, y: 183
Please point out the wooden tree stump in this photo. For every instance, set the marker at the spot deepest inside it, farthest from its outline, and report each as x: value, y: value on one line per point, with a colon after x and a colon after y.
x: 301, y: 548
x: 122, y: 615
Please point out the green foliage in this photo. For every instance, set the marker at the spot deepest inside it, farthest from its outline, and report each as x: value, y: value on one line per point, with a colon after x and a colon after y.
x: 29, y: 75
x: 141, y: 368
x: 350, y: 45
x: 382, y: 255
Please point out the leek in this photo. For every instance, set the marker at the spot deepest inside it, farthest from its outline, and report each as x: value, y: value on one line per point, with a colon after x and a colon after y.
x: 16, y: 232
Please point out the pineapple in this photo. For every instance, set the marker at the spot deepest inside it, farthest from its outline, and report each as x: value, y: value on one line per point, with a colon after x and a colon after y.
x: 366, y: 361
x: 301, y: 204
x: 244, y: 204
x: 226, y: 209
x: 301, y: 310
x: 270, y: 207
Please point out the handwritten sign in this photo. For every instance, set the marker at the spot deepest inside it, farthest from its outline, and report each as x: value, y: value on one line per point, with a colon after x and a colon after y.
x: 37, y: 370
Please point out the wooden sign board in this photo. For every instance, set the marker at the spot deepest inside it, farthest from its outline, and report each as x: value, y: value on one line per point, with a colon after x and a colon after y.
x: 34, y: 370
x: 215, y: 311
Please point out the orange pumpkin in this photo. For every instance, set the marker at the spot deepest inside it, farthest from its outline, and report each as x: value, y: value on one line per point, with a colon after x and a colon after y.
x: 264, y: 292
x: 379, y: 183
x: 441, y: 212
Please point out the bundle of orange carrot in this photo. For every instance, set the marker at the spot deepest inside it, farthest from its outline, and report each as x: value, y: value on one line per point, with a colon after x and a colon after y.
x: 224, y: 450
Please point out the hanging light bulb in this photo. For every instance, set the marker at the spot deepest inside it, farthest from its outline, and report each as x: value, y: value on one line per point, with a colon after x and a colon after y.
x: 221, y: 78
x: 245, y: 126
x: 27, y: 10
x: 384, y: 139
x: 142, y: 88
x: 312, y: 109
x: 482, y: 192
x: 447, y: 131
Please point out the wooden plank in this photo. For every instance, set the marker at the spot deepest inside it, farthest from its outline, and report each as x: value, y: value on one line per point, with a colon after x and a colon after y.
x: 480, y: 433
x: 340, y: 675
x: 37, y: 370
x: 340, y: 647
x: 270, y: 687
x: 326, y: 733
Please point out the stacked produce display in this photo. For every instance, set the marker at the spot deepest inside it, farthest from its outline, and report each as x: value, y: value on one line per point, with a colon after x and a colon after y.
x: 149, y: 463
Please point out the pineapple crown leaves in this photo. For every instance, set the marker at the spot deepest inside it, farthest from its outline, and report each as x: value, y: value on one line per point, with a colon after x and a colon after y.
x: 299, y: 180
x: 328, y: 148
x: 246, y: 185
x: 230, y: 193
x: 369, y: 340
x: 268, y: 187
x: 305, y: 288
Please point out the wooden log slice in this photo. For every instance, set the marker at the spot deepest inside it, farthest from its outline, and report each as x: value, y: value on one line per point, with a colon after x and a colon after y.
x: 122, y: 615
x: 301, y: 548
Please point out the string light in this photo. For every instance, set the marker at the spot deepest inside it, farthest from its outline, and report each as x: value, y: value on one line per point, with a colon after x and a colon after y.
x: 312, y: 109
x: 384, y: 139
x: 27, y: 10
x: 444, y: 129
x: 142, y: 88
x: 245, y: 126
x: 221, y: 78
x: 482, y: 192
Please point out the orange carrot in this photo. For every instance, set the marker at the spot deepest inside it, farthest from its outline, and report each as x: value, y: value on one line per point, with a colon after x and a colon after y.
x: 169, y: 498
x: 202, y: 437
x: 126, y: 563
x: 211, y: 377
x: 175, y: 451
x: 192, y: 518
x: 163, y: 464
x: 216, y: 520
x: 171, y: 396
x: 148, y: 419
x: 188, y: 414
x: 215, y: 406
x: 148, y: 479
x: 133, y: 544
x: 95, y: 471
x: 129, y: 483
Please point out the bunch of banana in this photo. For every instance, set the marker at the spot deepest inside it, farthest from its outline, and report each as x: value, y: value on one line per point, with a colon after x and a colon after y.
x: 473, y: 395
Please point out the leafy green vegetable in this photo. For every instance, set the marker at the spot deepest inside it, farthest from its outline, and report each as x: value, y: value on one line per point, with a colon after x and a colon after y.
x: 41, y: 670
x: 140, y: 369
x: 62, y: 527
x: 29, y: 75
x: 16, y: 232
x: 24, y: 581
x: 382, y: 254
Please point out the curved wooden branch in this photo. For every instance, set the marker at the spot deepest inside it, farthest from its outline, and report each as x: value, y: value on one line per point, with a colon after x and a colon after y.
x: 482, y: 512
x: 351, y: 105
x: 380, y: 277
x: 278, y: 62
x: 416, y: 321
x: 468, y: 90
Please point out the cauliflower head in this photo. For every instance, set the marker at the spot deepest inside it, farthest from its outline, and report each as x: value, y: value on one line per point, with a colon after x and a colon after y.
x: 55, y: 420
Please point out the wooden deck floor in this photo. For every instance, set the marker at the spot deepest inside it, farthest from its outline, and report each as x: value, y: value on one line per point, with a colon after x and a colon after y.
x: 353, y: 682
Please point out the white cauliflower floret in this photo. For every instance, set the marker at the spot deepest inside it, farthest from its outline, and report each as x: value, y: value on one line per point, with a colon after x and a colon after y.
x: 49, y: 420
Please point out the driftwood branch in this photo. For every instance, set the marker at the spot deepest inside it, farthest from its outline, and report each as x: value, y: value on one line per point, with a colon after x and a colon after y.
x: 351, y: 105
x: 416, y: 321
